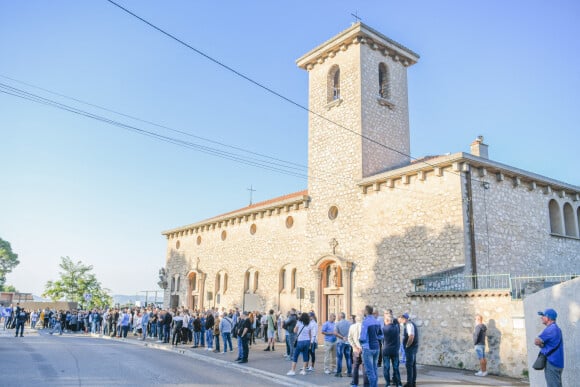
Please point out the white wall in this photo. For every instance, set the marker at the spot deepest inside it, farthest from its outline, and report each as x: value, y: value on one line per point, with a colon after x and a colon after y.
x: 565, y: 299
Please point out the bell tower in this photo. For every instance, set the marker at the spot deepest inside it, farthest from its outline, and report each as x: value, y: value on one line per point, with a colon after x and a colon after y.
x: 359, y: 120
x: 358, y: 126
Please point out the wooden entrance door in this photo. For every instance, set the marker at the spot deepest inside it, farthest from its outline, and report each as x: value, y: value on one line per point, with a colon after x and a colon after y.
x: 334, y: 304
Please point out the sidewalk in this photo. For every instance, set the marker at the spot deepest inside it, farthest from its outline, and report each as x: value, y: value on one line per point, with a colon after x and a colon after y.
x: 272, y: 365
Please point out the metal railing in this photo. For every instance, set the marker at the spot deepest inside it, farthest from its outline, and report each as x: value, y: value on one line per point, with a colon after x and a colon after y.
x: 518, y: 286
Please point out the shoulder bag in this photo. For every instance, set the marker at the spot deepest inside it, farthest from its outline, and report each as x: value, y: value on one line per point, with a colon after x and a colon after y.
x: 298, y: 335
x: 541, y: 360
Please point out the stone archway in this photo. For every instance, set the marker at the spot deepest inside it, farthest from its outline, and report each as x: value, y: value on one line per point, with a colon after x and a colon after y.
x: 195, y: 290
x: 334, y: 286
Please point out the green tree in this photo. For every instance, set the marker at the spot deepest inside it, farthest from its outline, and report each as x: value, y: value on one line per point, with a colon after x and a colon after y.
x: 8, y: 261
x: 76, y: 281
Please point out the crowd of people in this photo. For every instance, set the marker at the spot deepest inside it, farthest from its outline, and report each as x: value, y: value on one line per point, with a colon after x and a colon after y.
x: 364, y: 342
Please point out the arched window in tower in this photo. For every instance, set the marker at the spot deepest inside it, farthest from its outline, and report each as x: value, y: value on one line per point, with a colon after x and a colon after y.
x: 178, y: 283
x: 225, y: 282
x: 247, y: 282
x: 334, y: 83
x: 569, y: 221
x: 384, y: 84
x: 218, y: 283
x: 293, y: 280
x: 172, y: 284
x: 555, y: 217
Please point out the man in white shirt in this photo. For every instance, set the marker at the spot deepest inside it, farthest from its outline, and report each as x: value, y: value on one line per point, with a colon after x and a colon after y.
x: 353, y: 339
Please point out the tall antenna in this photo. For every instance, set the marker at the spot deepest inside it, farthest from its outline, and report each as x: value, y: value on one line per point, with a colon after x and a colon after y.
x: 356, y: 17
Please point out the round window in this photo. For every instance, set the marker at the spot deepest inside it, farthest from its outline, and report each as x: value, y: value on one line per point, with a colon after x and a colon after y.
x: 332, y: 212
x: 198, y: 241
x: 177, y: 244
x: 289, y: 222
x: 253, y: 229
x: 224, y: 235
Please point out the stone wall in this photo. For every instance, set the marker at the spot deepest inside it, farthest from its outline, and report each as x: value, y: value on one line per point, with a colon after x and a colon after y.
x: 512, y: 228
x: 410, y: 230
x: 565, y: 299
x: 446, y: 324
x: 271, y: 248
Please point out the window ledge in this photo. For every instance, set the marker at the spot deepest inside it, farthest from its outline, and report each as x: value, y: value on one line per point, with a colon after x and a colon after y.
x: 333, y: 103
x: 564, y: 236
x: 385, y: 102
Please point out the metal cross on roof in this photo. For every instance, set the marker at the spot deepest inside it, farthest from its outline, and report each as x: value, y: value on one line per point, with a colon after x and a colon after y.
x: 252, y: 190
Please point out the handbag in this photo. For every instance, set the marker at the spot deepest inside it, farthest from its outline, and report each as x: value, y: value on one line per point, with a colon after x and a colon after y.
x: 296, y: 340
x: 541, y: 360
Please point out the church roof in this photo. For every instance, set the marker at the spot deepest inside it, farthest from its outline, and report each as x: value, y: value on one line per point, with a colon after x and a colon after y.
x: 358, y: 33
x: 289, y: 200
x: 461, y: 161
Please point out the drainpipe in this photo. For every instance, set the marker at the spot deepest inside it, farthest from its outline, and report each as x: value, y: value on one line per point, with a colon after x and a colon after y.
x: 471, y: 225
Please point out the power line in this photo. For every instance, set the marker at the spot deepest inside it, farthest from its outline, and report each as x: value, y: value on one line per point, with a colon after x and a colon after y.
x: 9, y: 90
x: 288, y: 170
x: 266, y: 88
x: 153, y: 123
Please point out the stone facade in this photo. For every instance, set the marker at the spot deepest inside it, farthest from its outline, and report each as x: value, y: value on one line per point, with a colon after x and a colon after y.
x: 446, y: 324
x: 371, y: 221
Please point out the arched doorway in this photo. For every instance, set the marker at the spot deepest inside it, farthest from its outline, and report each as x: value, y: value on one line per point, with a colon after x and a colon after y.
x: 334, y: 286
x: 196, y: 281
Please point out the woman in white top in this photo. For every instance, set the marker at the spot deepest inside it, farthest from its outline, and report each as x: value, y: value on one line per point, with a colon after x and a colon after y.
x: 314, y: 342
x: 304, y: 340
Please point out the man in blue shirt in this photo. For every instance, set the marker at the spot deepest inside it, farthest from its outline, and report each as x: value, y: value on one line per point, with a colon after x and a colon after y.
x: 551, y: 343
x: 327, y: 330
x: 370, y: 335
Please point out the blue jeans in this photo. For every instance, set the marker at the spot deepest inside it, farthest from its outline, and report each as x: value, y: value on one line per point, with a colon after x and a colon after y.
x: 553, y: 375
x: 290, y: 338
x: 227, y: 338
x: 209, y: 338
x: 166, y: 333
x: 160, y: 331
x: 240, y: 348
x: 346, y: 350
x: 411, y: 364
x: 245, y: 346
x: 216, y: 339
x: 387, y: 361
x: 154, y: 330
x: 196, y: 338
x: 19, y: 325
x: 370, y: 358
x: 301, y: 348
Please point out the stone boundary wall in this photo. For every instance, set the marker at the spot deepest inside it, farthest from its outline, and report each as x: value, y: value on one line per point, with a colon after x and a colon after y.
x: 446, y: 322
x: 565, y: 299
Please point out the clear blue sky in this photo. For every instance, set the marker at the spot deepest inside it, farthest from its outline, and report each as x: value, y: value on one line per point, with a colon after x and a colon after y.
x: 72, y: 186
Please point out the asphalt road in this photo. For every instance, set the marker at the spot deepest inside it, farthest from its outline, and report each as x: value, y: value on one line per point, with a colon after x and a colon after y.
x: 39, y: 359
x: 45, y: 360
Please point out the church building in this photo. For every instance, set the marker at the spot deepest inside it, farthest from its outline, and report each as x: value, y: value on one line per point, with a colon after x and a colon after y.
x: 377, y: 227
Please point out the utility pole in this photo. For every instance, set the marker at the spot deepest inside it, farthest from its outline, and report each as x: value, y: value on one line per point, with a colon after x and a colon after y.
x: 147, y: 296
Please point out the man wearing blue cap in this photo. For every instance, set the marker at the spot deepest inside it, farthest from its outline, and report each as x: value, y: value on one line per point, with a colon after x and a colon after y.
x: 551, y: 343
